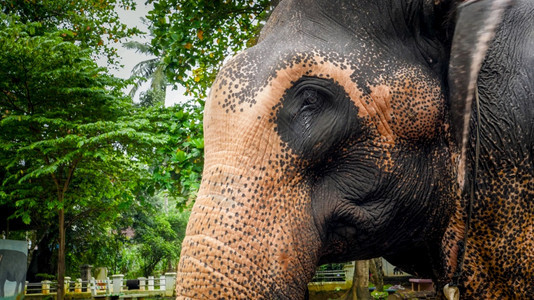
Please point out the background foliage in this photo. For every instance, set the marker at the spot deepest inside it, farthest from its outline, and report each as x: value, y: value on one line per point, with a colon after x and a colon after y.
x: 91, y: 24
x: 72, y: 142
x: 193, y: 38
x: 123, y: 174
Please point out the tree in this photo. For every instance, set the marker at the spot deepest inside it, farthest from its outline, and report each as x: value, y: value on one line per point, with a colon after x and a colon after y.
x: 92, y: 24
x: 360, y: 282
x: 73, y: 148
x: 151, y: 70
x: 377, y: 273
x: 66, y: 141
x: 176, y: 166
x: 158, y: 233
x: 194, y: 37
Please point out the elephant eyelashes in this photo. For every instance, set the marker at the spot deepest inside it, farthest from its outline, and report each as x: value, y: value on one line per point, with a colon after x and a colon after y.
x: 310, y: 97
x: 312, y: 100
x: 313, y: 96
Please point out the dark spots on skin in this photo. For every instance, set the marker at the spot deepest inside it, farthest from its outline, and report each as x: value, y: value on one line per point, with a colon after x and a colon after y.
x: 243, y: 233
x: 499, y: 245
x: 328, y: 169
x: 367, y: 185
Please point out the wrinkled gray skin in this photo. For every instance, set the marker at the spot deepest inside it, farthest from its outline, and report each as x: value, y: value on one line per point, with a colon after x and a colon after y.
x: 337, y: 138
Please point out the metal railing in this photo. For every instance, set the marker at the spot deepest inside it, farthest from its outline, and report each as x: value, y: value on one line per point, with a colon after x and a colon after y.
x: 330, y: 276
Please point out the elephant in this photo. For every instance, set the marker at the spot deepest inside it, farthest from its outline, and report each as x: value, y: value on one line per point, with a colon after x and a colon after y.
x: 12, y: 268
x: 358, y: 129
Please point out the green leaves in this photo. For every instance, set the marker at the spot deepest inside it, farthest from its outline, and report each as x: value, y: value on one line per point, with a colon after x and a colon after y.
x: 66, y: 130
x: 91, y: 24
x: 177, y: 163
x: 71, y: 140
x: 180, y: 156
x: 194, y: 37
x: 159, y: 229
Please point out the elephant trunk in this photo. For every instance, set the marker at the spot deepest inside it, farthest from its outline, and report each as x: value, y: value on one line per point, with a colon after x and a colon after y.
x: 210, y: 269
x: 251, y: 233
x: 244, y: 241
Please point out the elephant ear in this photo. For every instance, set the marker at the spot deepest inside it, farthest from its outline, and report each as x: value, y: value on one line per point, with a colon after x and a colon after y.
x: 475, y: 28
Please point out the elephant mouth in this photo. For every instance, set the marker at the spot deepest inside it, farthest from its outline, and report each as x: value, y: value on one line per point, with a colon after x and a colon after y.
x: 339, y: 246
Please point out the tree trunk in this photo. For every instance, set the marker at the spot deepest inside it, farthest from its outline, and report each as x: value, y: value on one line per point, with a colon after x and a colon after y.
x: 61, y: 256
x: 377, y: 273
x: 61, y: 190
x: 360, y: 282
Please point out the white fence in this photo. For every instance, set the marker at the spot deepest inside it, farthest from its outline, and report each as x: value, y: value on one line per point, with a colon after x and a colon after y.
x: 162, y: 286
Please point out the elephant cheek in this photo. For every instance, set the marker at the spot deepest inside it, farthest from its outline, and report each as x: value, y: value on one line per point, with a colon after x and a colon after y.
x: 247, y: 245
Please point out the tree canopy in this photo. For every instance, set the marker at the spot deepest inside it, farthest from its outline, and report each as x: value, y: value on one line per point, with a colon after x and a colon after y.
x: 65, y: 142
x: 195, y: 37
x: 79, y: 161
x: 92, y: 24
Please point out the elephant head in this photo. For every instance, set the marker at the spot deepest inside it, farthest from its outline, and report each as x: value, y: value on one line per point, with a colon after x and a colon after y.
x: 332, y: 140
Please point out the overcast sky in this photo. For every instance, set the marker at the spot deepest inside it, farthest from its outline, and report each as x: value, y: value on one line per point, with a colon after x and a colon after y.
x: 129, y: 58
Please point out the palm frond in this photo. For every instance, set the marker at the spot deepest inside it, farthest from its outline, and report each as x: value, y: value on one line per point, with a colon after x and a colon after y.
x: 151, y: 69
x: 143, y: 48
x: 146, y: 68
x: 135, y: 87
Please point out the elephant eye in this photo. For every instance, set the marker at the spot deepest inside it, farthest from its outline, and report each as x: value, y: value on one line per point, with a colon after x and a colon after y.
x: 315, y: 115
x: 310, y: 97
x: 313, y: 98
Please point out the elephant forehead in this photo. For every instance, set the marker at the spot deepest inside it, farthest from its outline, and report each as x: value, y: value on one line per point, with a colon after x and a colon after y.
x: 401, y: 101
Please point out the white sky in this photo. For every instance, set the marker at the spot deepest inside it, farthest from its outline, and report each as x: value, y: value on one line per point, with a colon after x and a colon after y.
x: 129, y: 58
